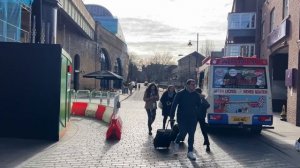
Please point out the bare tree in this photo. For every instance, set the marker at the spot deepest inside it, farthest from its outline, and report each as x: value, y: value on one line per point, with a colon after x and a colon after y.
x: 150, y: 68
x: 156, y: 66
x: 133, y: 69
x: 134, y: 58
x: 162, y: 58
x: 207, y: 47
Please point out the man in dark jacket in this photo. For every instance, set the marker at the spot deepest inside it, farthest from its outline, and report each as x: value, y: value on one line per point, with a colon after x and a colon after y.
x: 187, y: 101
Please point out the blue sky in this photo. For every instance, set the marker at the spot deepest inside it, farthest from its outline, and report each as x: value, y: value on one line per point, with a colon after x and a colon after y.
x: 166, y: 26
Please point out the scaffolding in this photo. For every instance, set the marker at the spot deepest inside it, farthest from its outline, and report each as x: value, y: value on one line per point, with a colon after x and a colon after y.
x: 10, y: 19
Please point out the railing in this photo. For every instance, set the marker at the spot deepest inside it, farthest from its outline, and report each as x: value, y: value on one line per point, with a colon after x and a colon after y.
x: 99, y: 97
x: 12, y: 33
x: 246, y: 50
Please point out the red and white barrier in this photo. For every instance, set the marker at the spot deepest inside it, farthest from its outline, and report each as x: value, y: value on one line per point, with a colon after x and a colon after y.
x: 104, y: 113
x: 115, y: 128
x: 97, y: 111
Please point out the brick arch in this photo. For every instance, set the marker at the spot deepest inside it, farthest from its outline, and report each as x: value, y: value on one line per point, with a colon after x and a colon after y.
x: 120, y: 67
x: 106, y: 62
x: 118, y: 70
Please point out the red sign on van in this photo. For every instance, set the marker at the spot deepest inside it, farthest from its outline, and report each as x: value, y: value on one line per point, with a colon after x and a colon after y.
x: 239, y: 61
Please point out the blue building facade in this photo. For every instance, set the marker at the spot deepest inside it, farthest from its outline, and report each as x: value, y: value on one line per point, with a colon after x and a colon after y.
x: 106, y: 19
x: 10, y: 20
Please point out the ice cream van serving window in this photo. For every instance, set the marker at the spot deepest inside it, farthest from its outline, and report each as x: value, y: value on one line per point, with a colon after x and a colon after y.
x: 239, y: 77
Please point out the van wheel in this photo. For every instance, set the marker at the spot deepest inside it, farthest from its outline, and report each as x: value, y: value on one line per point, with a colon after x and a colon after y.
x: 256, y: 130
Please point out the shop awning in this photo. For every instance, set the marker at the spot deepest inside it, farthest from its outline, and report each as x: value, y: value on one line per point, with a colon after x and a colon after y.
x: 104, y: 74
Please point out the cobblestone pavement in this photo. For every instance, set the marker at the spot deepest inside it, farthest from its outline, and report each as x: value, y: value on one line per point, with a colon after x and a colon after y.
x: 84, y: 145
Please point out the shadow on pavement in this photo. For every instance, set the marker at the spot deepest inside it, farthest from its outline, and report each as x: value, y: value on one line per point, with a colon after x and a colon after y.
x: 15, y: 151
x: 166, y: 154
x: 233, y: 132
x: 259, y: 147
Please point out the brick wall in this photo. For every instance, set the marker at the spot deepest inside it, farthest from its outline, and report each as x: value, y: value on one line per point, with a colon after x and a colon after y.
x: 74, y: 42
x: 286, y: 45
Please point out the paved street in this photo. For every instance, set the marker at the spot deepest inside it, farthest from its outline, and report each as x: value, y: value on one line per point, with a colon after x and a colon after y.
x: 84, y: 145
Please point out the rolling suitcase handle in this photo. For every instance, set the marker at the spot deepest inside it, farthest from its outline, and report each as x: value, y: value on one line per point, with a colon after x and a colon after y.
x: 170, y: 122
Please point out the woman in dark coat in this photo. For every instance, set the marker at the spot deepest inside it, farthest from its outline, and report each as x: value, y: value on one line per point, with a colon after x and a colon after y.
x: 166, y: 101
x: 201, y: 118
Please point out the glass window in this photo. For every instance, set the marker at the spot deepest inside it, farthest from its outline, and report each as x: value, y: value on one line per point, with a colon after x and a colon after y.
x: 240, y: 50
x: 245, y: 21
x: 252, y: 50
x: 234, y: 21
x: 239, y: 77
x: 272, y: 20
x: 285, y: 8
x: 233, y: 50
x: 253, y: 20
x: 242, y: 21
x: 244, y: 50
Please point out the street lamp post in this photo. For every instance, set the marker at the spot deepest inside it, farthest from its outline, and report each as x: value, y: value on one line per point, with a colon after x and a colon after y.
x: 189, y: 66
x: 190, y: 44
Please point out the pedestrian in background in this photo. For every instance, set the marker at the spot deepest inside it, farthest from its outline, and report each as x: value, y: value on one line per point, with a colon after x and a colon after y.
x: 187, y: 101
x: 130, y: 87
x: 201, y: 118
x: 166, y: 101
x: 151, y: 96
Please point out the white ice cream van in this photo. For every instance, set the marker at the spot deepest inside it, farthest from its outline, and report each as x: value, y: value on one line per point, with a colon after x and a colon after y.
x: 238, y: 90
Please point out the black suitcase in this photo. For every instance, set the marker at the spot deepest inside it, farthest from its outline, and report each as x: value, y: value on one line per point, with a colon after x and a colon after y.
x: 175, y: 132
x: 162, y: 138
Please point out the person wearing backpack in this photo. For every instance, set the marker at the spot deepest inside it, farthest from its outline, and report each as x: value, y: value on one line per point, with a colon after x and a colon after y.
x: 201, y: 118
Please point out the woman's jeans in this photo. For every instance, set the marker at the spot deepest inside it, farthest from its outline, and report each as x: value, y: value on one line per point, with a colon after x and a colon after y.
x: 151, y: 117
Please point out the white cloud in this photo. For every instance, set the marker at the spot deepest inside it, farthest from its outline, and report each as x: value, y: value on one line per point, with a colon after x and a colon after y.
x: 167, y: 25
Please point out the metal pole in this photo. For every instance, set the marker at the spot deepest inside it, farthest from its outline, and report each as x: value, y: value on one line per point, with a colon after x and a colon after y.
x: 189, y: 66
x: 197, y: 40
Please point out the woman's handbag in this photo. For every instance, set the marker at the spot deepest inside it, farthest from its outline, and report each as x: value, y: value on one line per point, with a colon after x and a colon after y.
x: 203, y: 107
x: 154, y: 106
x: 160, y: 105
x: 204, y: 103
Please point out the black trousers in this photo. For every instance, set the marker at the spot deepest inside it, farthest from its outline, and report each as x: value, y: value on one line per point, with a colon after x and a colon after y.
x: 203, y: 127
